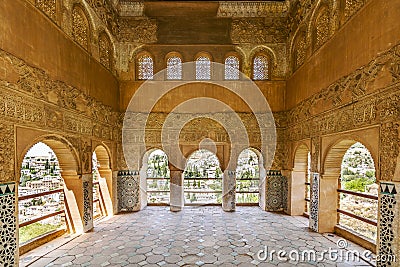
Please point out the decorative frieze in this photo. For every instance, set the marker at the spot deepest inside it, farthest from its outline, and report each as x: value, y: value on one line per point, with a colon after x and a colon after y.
x: 142, y: 31
x: 49, y: 7
x: 258, y: 31
x: 351, y: 7
x: 390, y: 148
x: 63, y: 107
x: 252, y: 9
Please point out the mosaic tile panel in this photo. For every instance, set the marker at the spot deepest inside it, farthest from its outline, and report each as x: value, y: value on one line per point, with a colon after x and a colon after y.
x: 87, y: 204
x: 128, y: 190
x: 8, y: 225
x: 274, y: 195
x: 386, y: 220
x: 314, y: 202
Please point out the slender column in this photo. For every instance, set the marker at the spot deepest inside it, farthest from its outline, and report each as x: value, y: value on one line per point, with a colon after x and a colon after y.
x: 74, y: 196
x: 87, y: 186
x: 296, y: 192
x: 177, y: 200
x: 263, y: 189
x: 229, y: 191
x: 323, y: 205
x: 106, y: 188
x: 8, y: 225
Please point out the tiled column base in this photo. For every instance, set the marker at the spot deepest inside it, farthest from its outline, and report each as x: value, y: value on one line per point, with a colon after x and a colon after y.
x: 87, y: 180
x: 314, y: 202
x: 8, y: 225
x: 388, y: 224
x: 128, y: 191
x: 229, y: 191
x: 274, y: 189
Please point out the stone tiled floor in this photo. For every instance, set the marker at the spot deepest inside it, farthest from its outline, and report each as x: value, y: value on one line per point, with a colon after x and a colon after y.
x: 197, y: 236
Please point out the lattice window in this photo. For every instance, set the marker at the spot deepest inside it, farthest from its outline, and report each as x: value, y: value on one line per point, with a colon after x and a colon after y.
x: 231, y: 68
x: 260, y: 68
x: 80, y: 27
x: 203, y: 68
x: 145, y: 66
x: 105, y: 51
x: 174, y: 68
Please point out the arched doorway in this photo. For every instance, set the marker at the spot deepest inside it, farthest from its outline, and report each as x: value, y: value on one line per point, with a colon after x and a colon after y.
x: 358, y: 192
x: 202, y: 179
x: 43, y: 211
x: 349, y: 169
x: 158, y: 178
x: 248, y: 178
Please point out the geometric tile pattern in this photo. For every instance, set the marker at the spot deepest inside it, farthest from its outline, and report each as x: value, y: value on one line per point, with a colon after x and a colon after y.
x: 196, y: 236
x: 128, y: 190
x: 314, y: 202
x: 87, y: 203
x: 386, y: 221
x: 387, y: 188
x: 8, y: 188
x: 8, y: 225
x: 274, y: 191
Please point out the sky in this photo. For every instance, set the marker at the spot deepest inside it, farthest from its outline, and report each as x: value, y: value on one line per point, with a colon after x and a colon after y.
x: 40, y: 149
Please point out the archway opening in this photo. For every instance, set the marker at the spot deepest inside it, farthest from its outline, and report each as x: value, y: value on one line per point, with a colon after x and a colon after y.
x: 300, y: 184
x: 247, y: 178
x: 102, y: 183
x: 41, y: 201
x: 158, y: 179
x: 358, y: 192
x: 98, y: 202
x: 203, y: 179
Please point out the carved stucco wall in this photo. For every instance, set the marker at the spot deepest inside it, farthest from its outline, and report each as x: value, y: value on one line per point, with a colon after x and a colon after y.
x: 367, y: 97
x: 31, y: 98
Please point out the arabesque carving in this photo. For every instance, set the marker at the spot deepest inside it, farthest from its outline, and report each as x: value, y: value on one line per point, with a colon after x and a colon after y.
x: 138, y: 30
x: 390, y: 148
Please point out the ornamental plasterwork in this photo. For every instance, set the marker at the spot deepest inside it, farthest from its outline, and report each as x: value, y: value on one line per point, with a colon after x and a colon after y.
x: 252, y: 9
x: 351, y: 7
x: 131, y: 9
x: 251, y: 31
x: 138, y: 30
x: 49, y: 7
x: 33, y: 98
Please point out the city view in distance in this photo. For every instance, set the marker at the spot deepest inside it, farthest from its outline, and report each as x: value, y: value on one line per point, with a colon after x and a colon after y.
x: 40, y: 173
x: 203, y: 178
x: 358, y: 175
